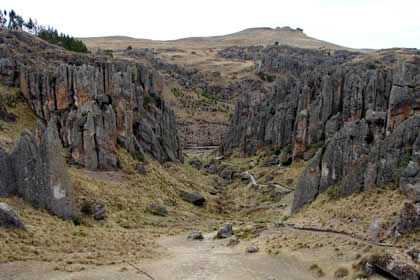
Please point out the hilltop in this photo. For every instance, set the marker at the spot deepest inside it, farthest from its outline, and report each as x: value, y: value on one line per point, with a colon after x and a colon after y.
x: 262, y: 36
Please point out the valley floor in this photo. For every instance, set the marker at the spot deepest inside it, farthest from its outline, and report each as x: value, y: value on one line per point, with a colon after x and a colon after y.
x: 179, y: 259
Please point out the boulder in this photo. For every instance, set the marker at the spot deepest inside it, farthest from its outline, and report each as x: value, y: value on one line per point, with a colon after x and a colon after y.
x: 273, y: 160
x: 252, y: 250
x: 158, y: 210
x: 388, y: 264
x: 414, y: 254
x: 412, y: 192
x: 195, y: 198
x: 232, y: 241
x: 225, y: 232
x: 411, y: 170
x: 8, y: 218
x: 212, y: 192
x: 279, y: 224
x: 195, y: 235
x: 98, y: 211
x: 196, y: 163
x: 212, y: 169
x: 409, y: 217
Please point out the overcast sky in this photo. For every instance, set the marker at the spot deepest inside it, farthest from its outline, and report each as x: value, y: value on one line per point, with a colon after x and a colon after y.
x: 351, y: 23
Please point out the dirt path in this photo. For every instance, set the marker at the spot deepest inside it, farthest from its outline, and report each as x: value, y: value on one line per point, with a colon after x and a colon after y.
x: 181, y: 259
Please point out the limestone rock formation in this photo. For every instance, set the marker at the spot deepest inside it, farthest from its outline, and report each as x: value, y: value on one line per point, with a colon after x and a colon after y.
x: 362, y: 117
x: 8, y: 218
x: 225, y: 232
x: 99, y: 103
x: 35, y: 171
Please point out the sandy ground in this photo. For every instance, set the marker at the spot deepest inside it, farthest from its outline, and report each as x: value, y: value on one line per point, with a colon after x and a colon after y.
x: 180, y: 259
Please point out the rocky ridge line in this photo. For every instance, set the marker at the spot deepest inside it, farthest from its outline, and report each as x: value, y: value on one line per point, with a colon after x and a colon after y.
x: 98, y: 102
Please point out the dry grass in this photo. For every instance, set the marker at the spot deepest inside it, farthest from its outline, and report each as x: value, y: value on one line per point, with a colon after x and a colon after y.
x: 342, y: 215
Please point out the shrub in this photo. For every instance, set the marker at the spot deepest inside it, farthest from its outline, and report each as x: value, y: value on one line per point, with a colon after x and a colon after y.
x: 129, y: 47
x: 108, y: 53
x: 147, y: 100
x: 77, y: 220
x: 161, y: 140
x: 341, y: 272
x: 269, y: 78
x: 261, y: 75
x: 317, y: 270
x: 317, y: 145
x: 86, y: 207
x: 371, y: 66
x: 286, y: 162
x: 332, y: 191
x: 139, y: 156
x: 404, y: 161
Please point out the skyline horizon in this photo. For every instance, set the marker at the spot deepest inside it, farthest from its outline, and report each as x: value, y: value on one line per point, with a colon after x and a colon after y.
x: 368, y: 24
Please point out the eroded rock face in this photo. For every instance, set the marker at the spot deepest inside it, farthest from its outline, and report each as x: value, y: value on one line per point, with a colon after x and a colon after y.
x: 35, y: 171
x: 364, y: 119
x: 97, y: 102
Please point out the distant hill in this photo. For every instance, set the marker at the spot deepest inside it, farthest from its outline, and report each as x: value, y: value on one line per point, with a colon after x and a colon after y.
x: 248, y: 37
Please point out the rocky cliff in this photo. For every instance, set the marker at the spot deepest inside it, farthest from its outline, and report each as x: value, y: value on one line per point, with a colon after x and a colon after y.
x: 98, y: 102
x: 360, y: 111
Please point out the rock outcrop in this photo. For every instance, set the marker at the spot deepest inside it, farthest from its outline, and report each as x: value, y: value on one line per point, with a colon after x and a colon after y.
x: 99, y: 102
x: 8, y: 218
x: 387, y: 263
x: 409, y: 217
x: 35, y: 171
x: 362, y: 115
